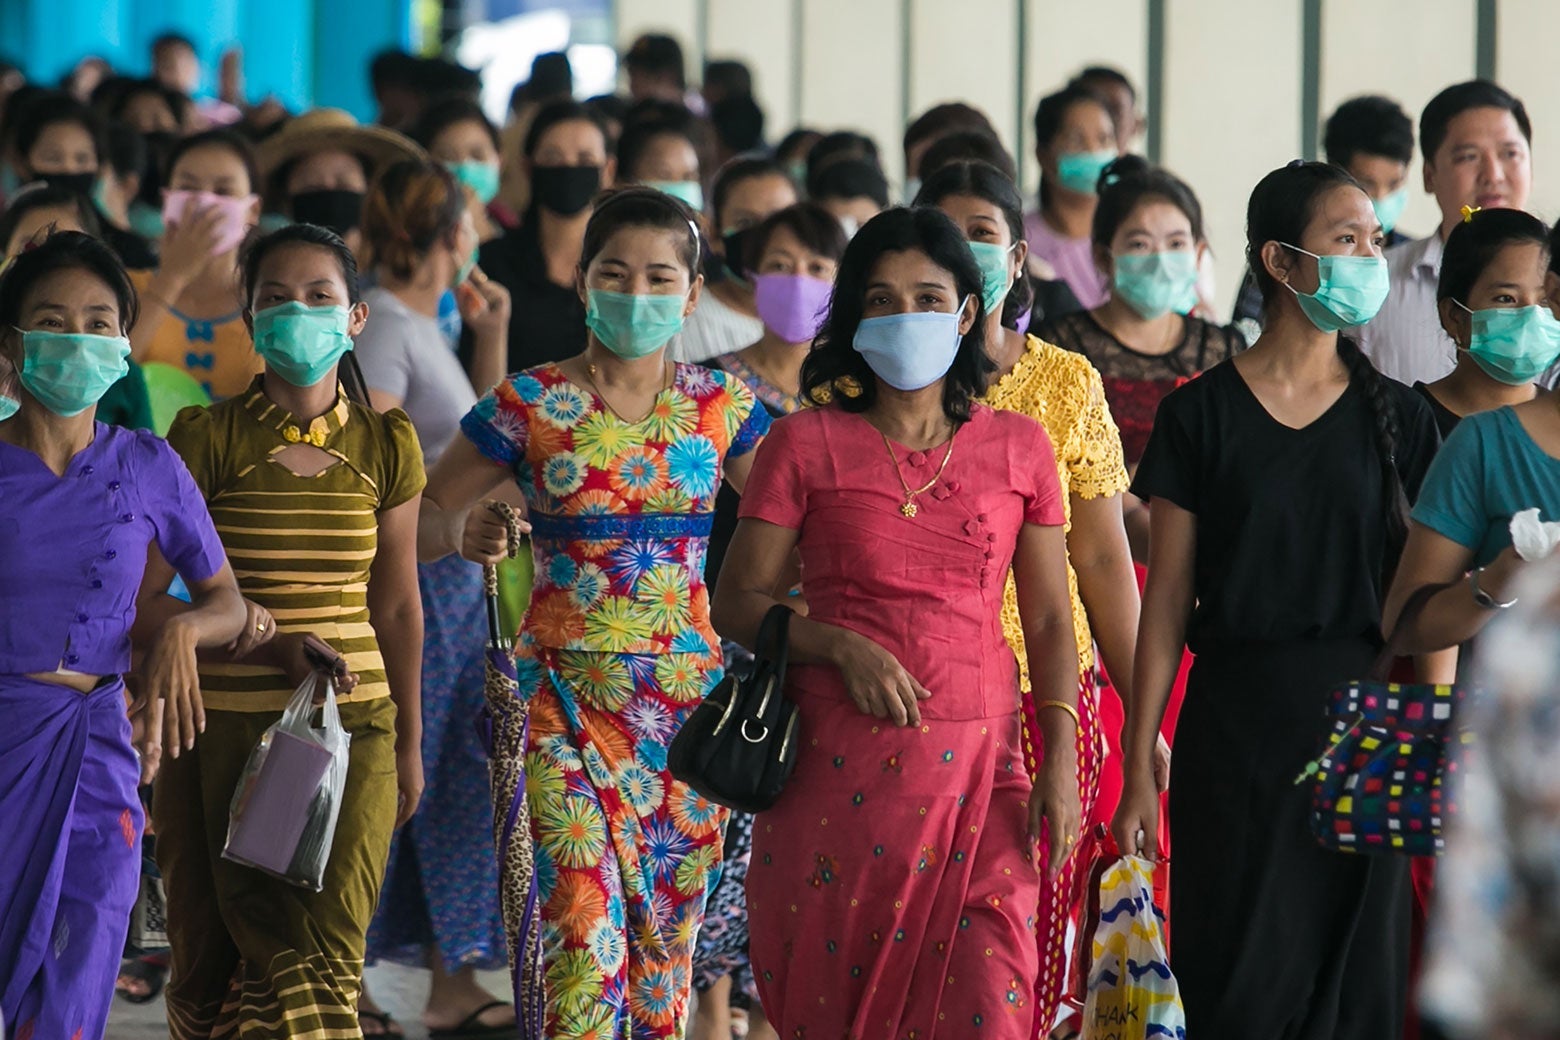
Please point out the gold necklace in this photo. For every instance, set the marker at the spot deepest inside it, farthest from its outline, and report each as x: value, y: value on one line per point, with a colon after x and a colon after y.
x: 590, y: 372
x: 909, y: 509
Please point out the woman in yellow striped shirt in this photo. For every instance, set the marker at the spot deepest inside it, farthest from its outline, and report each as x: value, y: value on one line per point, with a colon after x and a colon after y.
x: 315, y: 497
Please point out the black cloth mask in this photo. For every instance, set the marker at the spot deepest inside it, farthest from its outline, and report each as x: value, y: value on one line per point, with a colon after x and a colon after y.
x: 565, y: 190
x: 341, y: 211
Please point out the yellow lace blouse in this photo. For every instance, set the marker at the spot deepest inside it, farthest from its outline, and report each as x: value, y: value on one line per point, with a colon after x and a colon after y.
x: 1063, y: 392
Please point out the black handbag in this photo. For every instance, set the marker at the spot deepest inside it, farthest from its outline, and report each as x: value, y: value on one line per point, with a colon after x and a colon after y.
x: 738, y: 748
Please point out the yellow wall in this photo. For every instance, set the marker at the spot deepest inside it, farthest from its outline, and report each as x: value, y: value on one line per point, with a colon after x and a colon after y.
x: 1233, y: 76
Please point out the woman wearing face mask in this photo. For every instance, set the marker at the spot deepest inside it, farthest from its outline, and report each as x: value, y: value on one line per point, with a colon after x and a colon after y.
x: 1060, y: 390
x: 317, y: 168
x: 62, y: 142
x: 619, y: 452
x: 32, y: 216
x: 457, y: 134
x: 664, y: 155
x: 904, y: 848
x: 1277, y: 484
x: 440, y: 903
x: 192, y: 311
x: 1504, y: 456
x: 315, y: 496
x: 84, y: 502
x: 746, y: 191
x: 1148, y: 236
x: 1075, y: 139
x: 791, y: 256
x: 1493, y: 275
x: 568, y: 160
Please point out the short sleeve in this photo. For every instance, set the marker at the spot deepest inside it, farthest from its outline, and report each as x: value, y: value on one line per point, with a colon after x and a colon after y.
x: 1451, y: 499
x: 496, y: 424
x: 403, y: 466
x: 754, y: 426
x: 1170, y: 466
x: 191, y: 436
x: 184, y: 532
x: 1042, y: 501
x: 1096, y: 465
x: 776, y: 490
x: 383, y: 354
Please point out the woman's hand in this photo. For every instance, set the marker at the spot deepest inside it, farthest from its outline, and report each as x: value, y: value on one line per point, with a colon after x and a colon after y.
x: 485, y: 537
x: 290, y: 657
x: 170, y: 675
x: 409, y: 782
x: 1054, y: 803
x: 259, y: 629
x: 877, y: 682
x: 484, y: 305
x: 1136, y: 823
x: 188, y: 245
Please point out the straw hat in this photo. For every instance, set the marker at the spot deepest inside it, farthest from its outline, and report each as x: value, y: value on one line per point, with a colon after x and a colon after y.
x: 323, y: 129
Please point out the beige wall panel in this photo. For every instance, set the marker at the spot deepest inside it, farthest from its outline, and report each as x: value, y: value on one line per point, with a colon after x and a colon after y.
x: 1228, y: 117
x: 851, y: 71
x: 1433, y: 45
x: 1526, y: 65
x: 679, y: 18
x: 966, y: 50
x: 763, y: 36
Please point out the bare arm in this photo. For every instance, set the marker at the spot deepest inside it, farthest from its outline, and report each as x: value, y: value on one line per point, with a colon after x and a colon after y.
x: 1167, y: 608
x: 1045, y: 610
x: 1107, y: 583
x: 381, y: 401
x: 875, y: 680
x: 1452, y: 616
x: 395, y: 608
x: 461, y: 478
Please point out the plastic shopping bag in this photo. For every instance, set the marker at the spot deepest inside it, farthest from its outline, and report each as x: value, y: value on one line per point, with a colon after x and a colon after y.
x: 1132, y: 995
x: 283, y: 816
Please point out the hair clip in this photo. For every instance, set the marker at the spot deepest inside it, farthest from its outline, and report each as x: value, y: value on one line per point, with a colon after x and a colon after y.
x: 1293, y: 163
x: 1469, y: 211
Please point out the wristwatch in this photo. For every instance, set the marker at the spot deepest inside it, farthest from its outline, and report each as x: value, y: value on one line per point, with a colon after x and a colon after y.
x: 1484, y: 599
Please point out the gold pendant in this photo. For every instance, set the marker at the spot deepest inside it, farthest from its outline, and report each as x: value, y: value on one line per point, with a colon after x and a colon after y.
x: 908, y: 509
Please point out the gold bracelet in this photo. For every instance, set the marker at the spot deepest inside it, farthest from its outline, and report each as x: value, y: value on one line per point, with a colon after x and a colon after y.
x: 1068, y: 708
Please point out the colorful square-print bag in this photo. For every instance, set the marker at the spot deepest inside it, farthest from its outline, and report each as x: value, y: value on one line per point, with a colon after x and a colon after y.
x: 1384, y: 780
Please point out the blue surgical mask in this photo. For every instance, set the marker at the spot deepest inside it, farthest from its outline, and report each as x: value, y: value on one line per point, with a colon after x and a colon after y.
x: 1390, y: 209
x: 1349, y: 291
x: 302, y: 344
x: 633, y: 325
x: 480, y: 177
x: 910, y: 351
x: 690, y: 193
x: 69, y: 372
x: 1080, y: 171
x: 1154, y: 284
x: 995, y: 274
x: 1514, y: 345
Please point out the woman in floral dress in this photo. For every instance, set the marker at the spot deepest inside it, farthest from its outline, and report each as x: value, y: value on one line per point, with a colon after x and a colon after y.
x: 620, y: 453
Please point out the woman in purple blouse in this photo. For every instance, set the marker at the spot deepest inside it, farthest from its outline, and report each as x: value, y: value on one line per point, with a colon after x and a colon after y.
x: 84, y: 504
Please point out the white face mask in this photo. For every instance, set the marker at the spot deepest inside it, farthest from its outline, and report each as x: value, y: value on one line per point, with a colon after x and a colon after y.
x: 851, y: 226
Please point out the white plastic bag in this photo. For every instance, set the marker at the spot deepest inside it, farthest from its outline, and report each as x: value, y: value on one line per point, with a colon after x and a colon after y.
x: 283, y: 815
x: 1132, y: 995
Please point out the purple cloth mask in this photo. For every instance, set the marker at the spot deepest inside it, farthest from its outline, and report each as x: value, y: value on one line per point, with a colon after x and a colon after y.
x: 234, y: 222
x: 791, y: 305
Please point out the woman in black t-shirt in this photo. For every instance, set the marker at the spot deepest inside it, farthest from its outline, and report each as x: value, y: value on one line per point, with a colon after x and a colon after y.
x: 1277, y: 484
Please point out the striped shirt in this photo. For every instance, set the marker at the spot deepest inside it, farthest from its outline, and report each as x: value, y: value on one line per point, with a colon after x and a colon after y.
x: 300, y: 546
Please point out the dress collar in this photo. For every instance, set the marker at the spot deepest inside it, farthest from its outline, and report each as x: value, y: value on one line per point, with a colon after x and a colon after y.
x: 272, y: 416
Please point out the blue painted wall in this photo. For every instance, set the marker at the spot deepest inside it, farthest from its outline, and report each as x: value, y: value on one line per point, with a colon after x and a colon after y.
x: 306, y: 52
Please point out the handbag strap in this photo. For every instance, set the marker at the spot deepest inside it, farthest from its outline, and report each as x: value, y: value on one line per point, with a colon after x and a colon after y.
x: 497, y: 639
x: 1415, y: 605
x: 773, y: 643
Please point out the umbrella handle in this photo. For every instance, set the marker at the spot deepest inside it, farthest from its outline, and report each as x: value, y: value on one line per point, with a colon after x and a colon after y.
x: 497, y: 638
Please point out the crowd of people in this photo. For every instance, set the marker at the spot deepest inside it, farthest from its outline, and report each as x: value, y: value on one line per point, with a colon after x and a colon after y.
x: 1073, y: 554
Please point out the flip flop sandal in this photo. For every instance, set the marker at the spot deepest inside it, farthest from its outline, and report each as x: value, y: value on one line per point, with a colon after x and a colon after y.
x: 471, y: 1029
x: 151, y: 975
x: 387, y: 1024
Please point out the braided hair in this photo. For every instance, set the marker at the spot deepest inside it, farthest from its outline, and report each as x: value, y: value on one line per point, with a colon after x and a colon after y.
x: 1282, y: 205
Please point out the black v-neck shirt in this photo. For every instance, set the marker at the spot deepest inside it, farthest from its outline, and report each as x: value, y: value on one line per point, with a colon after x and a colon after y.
x: 1290, y: 531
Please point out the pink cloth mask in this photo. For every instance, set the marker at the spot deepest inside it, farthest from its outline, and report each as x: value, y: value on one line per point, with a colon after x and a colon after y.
x: 792, y: 305
x: 233, y: 223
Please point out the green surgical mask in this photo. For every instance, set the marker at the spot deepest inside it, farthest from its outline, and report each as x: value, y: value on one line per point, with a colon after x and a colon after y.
x: 1154, y: 284
x: 633, y: 325
x: 1080, y: 171
x: 302, y: 344
x: 1514, y: 345
x: 995, y: 275
x: 689, y: 192
x: 69, y: 372
x: 1390, y: 209
x: 1349, y: 290
x: 480, y: 177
